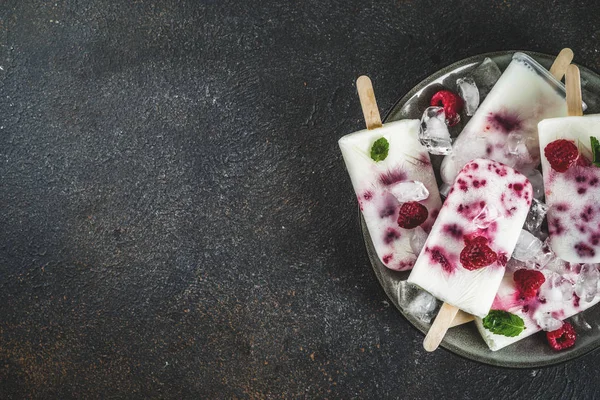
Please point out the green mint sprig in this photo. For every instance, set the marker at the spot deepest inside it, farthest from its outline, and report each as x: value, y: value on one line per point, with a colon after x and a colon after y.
x: 503, y: 323
x: 379, y: 150
x: 595, y: 151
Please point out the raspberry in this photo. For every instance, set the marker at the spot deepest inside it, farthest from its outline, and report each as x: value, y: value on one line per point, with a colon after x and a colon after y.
x: 412, y: 214
x: 452, y: 104
x: 561, y: 154
x: 528, y: 282
x: 562, y: 338
x: 477, y: 254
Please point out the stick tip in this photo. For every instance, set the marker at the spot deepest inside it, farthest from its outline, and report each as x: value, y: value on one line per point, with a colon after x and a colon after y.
x: 567, y: 52
x: 572, y: 69
x: 363, y: 80
x: 430, y: 345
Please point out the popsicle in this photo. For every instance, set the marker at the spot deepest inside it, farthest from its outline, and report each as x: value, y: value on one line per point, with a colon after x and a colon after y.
x: 504, y: 127
x: 393, y: 181
x: 571, y: 170
x: 462, y: 262
x: 540, y: 300
x: 560, y: 296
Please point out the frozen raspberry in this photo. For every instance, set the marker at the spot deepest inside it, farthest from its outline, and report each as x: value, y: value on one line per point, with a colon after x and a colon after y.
x: 528, y: 282
x: 452, y: 104
x: 562, y: 338
x: 561, y: 154
x: 477, y: 254
x: 412, y: 214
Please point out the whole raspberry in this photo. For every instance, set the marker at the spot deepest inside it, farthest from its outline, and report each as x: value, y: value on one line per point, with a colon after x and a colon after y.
x: 561, y: 154
x: 528, y: 282
x: 412, y: 214
x: 452, y: 104
x: 562, y: 338
x: 477, y: 254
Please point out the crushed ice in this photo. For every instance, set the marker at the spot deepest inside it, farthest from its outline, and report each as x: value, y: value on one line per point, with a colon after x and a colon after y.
x: 486, y: 216
x: 409, y: 191
x: 468, y: 91
x: 434, y: 133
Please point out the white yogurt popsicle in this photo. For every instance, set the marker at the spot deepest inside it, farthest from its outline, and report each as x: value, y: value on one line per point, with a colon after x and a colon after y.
x: 504, y: 127
x: 463, y: 260
x: 383, y: 187
x: 556, y: 300
x: 573, y: 195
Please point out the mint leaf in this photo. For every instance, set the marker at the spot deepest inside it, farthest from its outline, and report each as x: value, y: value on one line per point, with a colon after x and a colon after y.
x: 595, y: 151
x: 380, y: 149
x: 503, y: 323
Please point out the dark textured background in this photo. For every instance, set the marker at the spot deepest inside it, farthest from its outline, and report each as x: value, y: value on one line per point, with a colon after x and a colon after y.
x: 175, y: 217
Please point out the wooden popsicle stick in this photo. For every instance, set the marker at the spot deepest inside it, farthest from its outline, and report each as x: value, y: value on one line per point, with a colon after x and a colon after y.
x: 461, y: 318
x: 561, y: 63
x: 573, y: 86
x: 368, y: 102
x: 439, y: 327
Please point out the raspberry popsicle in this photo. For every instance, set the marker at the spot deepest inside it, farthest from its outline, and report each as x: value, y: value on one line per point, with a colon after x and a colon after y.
x: 571, y: 169
x: 529, y: 301
x: 504, y: 127
x: 393, y: 180
x: 462, y: 262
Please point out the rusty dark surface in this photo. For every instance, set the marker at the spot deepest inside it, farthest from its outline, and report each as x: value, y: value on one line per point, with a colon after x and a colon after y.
x: 175, y: 217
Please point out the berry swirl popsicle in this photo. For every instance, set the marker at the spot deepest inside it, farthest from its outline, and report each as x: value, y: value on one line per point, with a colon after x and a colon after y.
x: 463, y: 260
x: 571, y: 169
x: 540, y: 300
x: 504, y: 127
x: 393, y: 181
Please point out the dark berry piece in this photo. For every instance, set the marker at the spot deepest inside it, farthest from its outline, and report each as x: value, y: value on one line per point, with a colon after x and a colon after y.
x: 561, y: 154
x: 528, y: 282
x: 477, y: 254
x: 562, y: 338
x: 412, y: 214
x: 452, y: 104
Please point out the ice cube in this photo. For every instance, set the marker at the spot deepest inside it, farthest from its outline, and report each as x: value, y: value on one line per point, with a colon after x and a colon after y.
x: 515, y: 143
x: 422, y: 306
x: 486, y: 216
x: 485, y: 76
x: 547, y: 259
x: 565, y: 287
x: 513, y: 264
x: 415, y: 301
x: 467, y: 89
x: 537, y: 182
x: 445, y: 189
x: 434, y: 133
x: 409, y: 191
x: 528, y: 247
x: 417, y: 240
x: 536, y: 215
x: 556, y: 288
x: 586, y: 286
x: 547, y: 322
